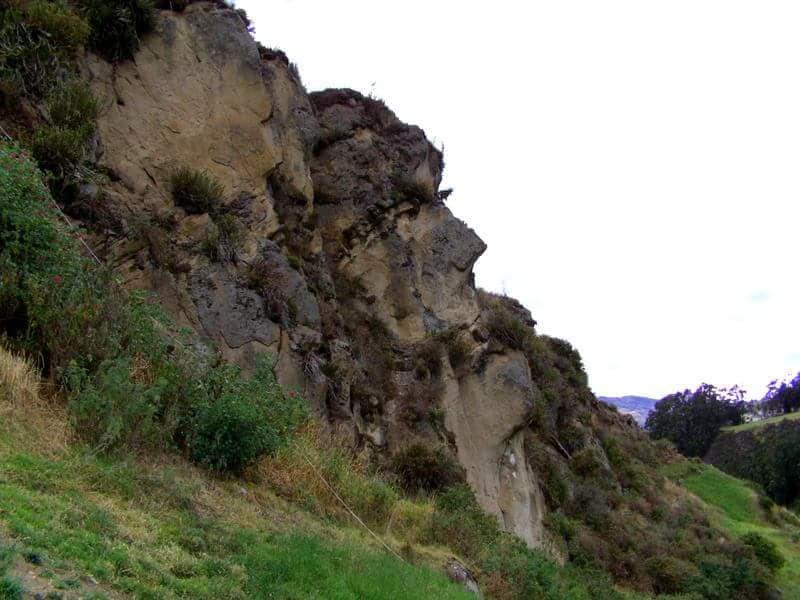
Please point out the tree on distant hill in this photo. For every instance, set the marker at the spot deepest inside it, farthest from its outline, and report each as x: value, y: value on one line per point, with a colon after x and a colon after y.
x: 782, y: 397
x: 692, y: 419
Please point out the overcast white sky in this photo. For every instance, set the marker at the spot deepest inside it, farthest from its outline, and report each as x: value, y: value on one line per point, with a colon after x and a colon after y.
x: 634, y: 166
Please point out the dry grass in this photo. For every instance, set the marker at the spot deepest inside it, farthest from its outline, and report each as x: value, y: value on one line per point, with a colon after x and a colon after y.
x: 294, y: 478
x: 35, y: 419
x: 19, y: 382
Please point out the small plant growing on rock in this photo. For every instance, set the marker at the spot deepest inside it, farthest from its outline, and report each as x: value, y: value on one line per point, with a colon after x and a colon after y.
x: 196, y: 191
x: 61, y: 146
x: 507, y: 328
x: 116, y: 26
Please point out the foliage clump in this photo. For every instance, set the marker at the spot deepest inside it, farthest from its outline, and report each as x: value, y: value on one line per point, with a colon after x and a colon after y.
x: 420, y: 469
x: 765, y: 551
x: 507, y: 327
x: 239, y: 420
x: 39, y: 42
x: 196, y: 191
x: 768, y: 456
x: 60, y: 147
x: 117, y: 26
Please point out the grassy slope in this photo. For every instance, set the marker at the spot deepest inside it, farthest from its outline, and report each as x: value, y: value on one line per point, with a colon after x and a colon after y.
x: 738, y: 512
x: 105, y: 528
x: 763, y: 422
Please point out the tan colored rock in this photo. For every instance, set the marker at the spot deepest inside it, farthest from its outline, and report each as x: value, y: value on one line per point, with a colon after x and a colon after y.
x: 487, y: 411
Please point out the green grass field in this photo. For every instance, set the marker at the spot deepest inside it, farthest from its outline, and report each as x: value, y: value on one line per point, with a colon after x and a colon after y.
x: 738, y: 512
x: 75, y: 524
x: 763, y: 422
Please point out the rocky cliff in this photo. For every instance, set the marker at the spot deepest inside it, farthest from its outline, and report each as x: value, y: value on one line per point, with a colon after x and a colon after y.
x: 334, y: 250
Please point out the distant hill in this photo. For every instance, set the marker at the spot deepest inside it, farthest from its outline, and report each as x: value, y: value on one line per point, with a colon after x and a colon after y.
x: 637, y: 406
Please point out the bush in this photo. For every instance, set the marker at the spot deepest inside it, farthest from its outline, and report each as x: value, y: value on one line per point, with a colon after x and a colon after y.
x: 73, y: 106
x: 65, y: 30
x: 59, y: 150
x: 507, y: 328
x: 242, y: 419
x: 61, y: 147
x: 458, y: 349
x: 223, y: 236
x: 132, y: 381
x: 10, y: 589
x: 39, y: 43
x: 116, y: 26
x: 670, y: 575
x: 765, y: 551
x: 461, y: 524
x: 112, y: 408
x: 418, y: 468
x: 590, y: 504
x: 196, y: 191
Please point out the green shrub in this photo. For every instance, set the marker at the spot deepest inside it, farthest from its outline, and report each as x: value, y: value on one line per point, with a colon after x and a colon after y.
x: 590, y: 505
x: 10, y: 589
x: 73, y: 106
x: 61, y: 146
x: 67, y: 31
x: 39, y: 41
x: 116, y: 25
x: 112, y: 408
x: 765, y: 551
x: 196, y: 191
x: 418, y: 468
x: 242, y: 419
x: 222, y: 237
x: 428, y: 358
x: 458, y: 349
x: 507, y: 328
x: 517, y: 572
x: 670, y: 575
x: 59, y: 149
x: 459, y: 522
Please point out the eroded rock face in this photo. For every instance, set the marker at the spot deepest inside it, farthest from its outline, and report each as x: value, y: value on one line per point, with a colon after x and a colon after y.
x: 487, y: 412
x: 345, y: 262
x: 376, y: 181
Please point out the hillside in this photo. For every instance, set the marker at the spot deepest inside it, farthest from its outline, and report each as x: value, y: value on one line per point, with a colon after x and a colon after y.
x: 753, y: 425
x: 766, y: 452
x: 244, y: 353
x: 739, y: 508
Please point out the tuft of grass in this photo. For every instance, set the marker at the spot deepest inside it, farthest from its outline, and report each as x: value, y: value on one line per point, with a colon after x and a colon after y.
x: 507, y: 328
x: 19, y: 382
x: 10, y: 589
x: 40, y: 40
x: 60, y: 147
x: 116, y: 26
x: 196, y: 191
x: 294, y: 473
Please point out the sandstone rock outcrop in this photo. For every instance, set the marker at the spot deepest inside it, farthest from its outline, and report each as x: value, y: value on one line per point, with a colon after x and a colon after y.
x: 340, y: 255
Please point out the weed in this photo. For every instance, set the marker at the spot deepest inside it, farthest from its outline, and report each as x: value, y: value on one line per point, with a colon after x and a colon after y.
x: 196, y: 191
x: 116, y: 25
